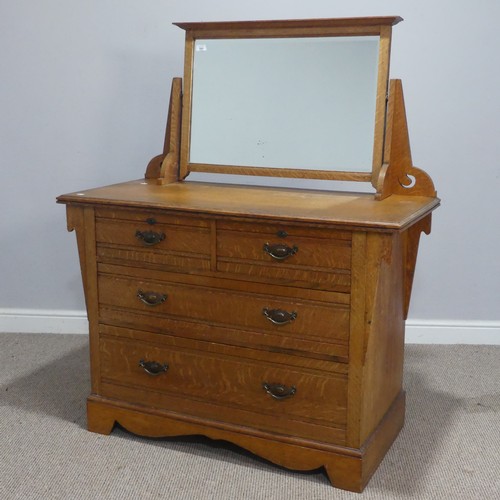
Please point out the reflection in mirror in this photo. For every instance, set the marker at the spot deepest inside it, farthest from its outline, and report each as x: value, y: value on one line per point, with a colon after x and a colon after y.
x: 304, y: 103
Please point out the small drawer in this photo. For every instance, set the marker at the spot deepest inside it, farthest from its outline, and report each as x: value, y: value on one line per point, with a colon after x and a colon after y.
x: 153, y: 240
x: 315, y: 257
x: 281, y: 315
x: 157, y: 237
x: 278, y: 391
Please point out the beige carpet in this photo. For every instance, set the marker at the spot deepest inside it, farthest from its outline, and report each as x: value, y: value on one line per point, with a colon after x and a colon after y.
x: 449, y: 448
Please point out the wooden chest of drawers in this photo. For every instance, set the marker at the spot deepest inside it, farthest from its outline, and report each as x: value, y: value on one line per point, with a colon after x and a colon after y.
x: 250, y: 322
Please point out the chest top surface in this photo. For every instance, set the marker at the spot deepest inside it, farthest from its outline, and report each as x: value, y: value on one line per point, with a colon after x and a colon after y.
x: 332, y: 208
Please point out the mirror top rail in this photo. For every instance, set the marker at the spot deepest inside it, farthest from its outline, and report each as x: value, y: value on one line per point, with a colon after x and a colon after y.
x: 294, y: 27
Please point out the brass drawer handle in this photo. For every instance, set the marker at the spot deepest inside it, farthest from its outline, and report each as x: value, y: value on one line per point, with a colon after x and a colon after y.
x: 152, y: 367
x: 150, y: 238
x: 151, y: 298
x: 279, y: 316
x: 280, y: 251
x: 279, y: 391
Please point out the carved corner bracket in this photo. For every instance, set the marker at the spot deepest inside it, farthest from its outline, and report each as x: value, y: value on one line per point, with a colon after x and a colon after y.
x: 165, y: 167
x: 398, y: 175
x: 411, y: 238
x: 81, y: 220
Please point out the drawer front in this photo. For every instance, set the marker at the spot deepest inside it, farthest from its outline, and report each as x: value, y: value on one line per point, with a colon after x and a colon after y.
x: 321, y: 258
x: 288, y: 316
x: 152, y: 240
x: 324, y: 354
x: 280, y: 391
x: 157, y: 237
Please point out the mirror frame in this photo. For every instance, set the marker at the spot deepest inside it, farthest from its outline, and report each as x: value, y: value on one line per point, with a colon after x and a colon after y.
x: 365, y: 26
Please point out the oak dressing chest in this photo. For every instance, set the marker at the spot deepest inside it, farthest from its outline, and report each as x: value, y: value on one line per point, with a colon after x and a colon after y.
x: 270, y: 317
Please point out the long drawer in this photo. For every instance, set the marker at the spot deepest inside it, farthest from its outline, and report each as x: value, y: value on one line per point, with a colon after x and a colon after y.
x: 173, y: 378
x: 219, y: 306
x: 324, y: 353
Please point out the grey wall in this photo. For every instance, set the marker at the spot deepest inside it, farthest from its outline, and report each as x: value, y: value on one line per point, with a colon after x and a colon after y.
x: 84, y: 90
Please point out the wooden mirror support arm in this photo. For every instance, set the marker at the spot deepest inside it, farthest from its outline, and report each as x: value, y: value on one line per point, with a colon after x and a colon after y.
x: 398, y: 175
x: 165, y: 167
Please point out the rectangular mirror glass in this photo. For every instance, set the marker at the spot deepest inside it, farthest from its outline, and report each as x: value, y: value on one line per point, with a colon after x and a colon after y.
x: 297, y: 103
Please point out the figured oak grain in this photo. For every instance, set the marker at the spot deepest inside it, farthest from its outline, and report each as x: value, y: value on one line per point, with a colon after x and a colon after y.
x: 239, y: 381
x: 227, y: 307
x: 260, y: 204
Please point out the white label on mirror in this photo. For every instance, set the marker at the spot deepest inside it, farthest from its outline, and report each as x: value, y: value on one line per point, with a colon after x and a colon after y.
x: 304, y: 103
